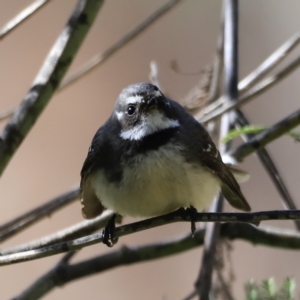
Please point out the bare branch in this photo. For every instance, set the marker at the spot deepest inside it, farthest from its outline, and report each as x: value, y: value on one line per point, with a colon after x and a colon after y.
x: 177, y: 216
x: 269, y: 64
x: 269, y: 166
x: 65, y: 273
x: 214, y: 111
x: 273, y: 60
x: 22, y: 16
x: 20, y: 223
x: 48, y: 79
x: 269, y: 135
x: 73, y: 232
x: 102, y: 57
x: 230, y: 38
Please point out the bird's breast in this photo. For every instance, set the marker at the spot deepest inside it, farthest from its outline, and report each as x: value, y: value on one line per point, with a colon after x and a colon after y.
x: 157, y: 182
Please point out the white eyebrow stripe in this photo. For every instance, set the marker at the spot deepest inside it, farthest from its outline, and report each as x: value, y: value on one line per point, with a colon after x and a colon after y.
x: 134, y: 99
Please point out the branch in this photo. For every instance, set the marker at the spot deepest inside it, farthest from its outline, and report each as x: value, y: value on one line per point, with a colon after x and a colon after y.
x: 48, y: 79
x: 73, y: 232
x: 20, y: 223
x: 230, y: 38
x: 272, y: 61
x: 264, y: 138
x: 214, y: 111
x: 214, y: 90
x: 64, y: 273
x: 269, y: 64
x: 177, y: 216
x: 22, y: 16
x: 102, y: 57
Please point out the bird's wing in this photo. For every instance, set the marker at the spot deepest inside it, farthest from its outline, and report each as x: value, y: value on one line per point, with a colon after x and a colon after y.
x: 91, y: 205
x: 211, y: 158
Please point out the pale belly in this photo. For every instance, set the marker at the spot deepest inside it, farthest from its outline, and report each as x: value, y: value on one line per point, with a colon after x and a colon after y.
x: 157, y: 184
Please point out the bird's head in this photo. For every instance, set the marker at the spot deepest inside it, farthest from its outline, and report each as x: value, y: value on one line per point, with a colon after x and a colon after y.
x: 142, y: 109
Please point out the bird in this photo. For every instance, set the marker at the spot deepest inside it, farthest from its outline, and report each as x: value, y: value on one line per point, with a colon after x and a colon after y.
x: 150, y: 158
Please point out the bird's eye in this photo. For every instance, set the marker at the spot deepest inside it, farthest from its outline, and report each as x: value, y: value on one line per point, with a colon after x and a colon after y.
x: 131, y: 110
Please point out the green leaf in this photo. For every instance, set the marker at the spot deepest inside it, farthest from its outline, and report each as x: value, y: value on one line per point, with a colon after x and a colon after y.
x: 251, y: 290
x: 287, y: 290
x: 270, y: 287
x: 252, y: 129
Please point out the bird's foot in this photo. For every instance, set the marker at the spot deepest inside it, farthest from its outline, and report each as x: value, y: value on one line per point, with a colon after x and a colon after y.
x: 192, y: 212
x: 108, y: 232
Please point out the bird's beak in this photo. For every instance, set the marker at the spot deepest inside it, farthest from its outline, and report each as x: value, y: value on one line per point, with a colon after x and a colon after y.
x: 151, y: 103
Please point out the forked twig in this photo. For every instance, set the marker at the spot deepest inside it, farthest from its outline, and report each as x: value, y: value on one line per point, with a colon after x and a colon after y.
x: 270, y: 167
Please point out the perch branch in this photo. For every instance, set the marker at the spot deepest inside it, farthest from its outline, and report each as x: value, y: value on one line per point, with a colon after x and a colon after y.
x: 177, y: 216
x: 22, y: 16
x: 20, y: 223
x: 73, y: 232
x: 64, y: 272
x: 48, y: 79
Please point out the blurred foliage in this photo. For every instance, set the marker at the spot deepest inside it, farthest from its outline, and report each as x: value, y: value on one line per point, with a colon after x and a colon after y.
x: 267, y: 290
x: 251, y: 129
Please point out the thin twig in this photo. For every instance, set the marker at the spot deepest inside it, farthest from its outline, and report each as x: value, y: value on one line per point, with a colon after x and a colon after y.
x: 7, y: 114
x: 266, y: 66
x: 212, y: 113
x: 48, y: 79
x: 130, y: 255
x: 20, y: 223
x: 269, y: 64
x: 153, y: 76
x: 177, y: 216
x: 269, y: 166
x: 224, y: 288
x: 214, y: 90
x: 22, y: 16
x: 102, y: 57
x: 261, y: 140
x: 73, y: 232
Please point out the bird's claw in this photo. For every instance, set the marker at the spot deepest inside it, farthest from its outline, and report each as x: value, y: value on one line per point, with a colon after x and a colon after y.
x: 108, y: 232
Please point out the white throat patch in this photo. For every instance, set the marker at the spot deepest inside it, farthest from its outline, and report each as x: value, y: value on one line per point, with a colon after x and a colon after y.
x: 153, y: 123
